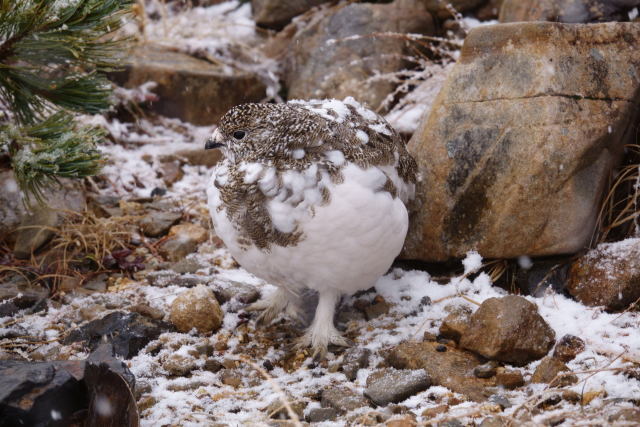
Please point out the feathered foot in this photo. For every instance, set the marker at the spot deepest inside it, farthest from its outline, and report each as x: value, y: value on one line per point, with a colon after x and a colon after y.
x: 322, y: 333
x: 271, y: 307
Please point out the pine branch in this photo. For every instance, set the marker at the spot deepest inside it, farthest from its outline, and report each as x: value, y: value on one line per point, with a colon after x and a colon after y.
x: 53, y: 55
x: 51, y: 51
x: 54, y: 148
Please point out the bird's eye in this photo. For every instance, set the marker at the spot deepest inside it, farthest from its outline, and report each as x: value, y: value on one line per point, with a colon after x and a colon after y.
x: 239, y: 134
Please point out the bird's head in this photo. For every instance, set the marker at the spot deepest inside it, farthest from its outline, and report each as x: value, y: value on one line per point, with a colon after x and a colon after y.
x: 260, y: 131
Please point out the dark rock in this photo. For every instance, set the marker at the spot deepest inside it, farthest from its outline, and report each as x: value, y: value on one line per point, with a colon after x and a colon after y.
x: 542, y: 275
x: 321, y: 61
x: 532, y: 113
x: 342, y: 399
x: 278, y: 13
x: 17, y: 294
x: 353, y: 360
x: 389, y: 385
x: 127, y: 332
x: 608, y: 275
x: 508, y: 329
x: 35, y: 393
x: 569, y: 11
x: 568, y: 347
x: 156, y: 224
x: 487, y: 370
x: 553, y: 372
x: 186, y: 86
x: 509, y: 379
x: 452, y: 369
x: 317, y: 415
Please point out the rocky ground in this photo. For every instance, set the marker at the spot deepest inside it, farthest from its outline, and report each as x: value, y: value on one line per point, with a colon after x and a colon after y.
x: 119, y: 302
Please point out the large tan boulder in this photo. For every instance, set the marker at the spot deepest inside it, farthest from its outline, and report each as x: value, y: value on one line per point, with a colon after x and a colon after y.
x: 190, y: 89
x: 568, y: 11
x: 518, y: 147
x: 336, y: 53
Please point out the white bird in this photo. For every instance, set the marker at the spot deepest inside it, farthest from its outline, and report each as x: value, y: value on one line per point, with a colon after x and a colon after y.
x: 310, y: 195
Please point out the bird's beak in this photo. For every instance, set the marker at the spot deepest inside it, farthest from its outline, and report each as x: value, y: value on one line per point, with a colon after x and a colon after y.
x: 216, y: 140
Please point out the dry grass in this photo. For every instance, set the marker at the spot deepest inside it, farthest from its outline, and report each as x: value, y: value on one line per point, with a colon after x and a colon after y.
x: 77, y: 252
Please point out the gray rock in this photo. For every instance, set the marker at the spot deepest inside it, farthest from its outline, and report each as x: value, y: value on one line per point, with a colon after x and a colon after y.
x: 278, y: 13
x: 187, y: 86
x: 518, y: 148
x: 390, y: 385
x: 320, y: 63
x: 156, y: 224
x: 486, y: 370
x: 317, y: 415
x: 35, y: 230
x: 183, y: 240
x: 569, y: 11
x: 342, y: 399
x: 353, y: 360
x: 127, y: 332
x: 17, y: 294
x: 508, y: 329
x: 187, y: 266
x: 97, y: 283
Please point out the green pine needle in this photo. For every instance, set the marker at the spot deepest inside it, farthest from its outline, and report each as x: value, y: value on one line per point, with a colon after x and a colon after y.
x: 53, y: 56
x: 54, y: 148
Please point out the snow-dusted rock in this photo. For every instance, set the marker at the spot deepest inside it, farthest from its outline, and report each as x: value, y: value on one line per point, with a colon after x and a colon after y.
x: 608, y: 275
x: 196, y: 308
x: 451, y: 368
x: 508, y: 329
x: 553, y: 372
x: 521, y: 141
x: 188, y: 88
x: 569, y: 11
x: 335, y: 56
x: 390, y: 385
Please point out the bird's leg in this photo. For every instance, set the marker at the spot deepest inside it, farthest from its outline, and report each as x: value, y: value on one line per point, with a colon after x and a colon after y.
x: 321, y: 333
x: 271, y: 307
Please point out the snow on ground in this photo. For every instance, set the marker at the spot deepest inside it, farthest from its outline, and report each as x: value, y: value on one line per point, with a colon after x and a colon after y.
x: 612, y: 340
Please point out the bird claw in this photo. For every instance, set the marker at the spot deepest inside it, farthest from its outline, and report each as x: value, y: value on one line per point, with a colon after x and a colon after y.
x: 320, y: 341
x: 273, y: 307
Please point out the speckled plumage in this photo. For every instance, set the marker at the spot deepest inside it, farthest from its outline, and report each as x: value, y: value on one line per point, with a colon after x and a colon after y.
x: 311, y: 195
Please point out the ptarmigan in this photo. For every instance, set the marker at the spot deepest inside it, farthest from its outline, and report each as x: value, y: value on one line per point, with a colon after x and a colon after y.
x: 310, y: 195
